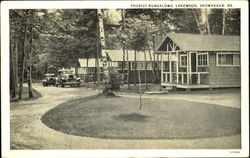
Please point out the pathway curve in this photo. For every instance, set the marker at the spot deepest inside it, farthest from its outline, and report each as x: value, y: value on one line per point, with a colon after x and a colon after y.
x: 28, y: 132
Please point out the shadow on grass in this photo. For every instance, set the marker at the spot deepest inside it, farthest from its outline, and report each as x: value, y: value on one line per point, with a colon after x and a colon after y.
x: 132, y: 117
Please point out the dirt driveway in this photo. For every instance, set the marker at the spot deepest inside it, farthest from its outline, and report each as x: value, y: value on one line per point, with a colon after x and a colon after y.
x: 28, y: 132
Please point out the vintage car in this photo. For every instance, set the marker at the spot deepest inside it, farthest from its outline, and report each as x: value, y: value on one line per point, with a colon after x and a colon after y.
x: 66, y: 77
x: 49, y: 79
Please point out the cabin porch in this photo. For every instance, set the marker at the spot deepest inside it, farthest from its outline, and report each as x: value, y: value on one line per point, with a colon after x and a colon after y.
x: 184, y: 69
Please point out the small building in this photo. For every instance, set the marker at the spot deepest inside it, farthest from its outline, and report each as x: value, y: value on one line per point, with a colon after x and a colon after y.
x: 133, y: 62
x: 88, y: 68
x: 200, y: 61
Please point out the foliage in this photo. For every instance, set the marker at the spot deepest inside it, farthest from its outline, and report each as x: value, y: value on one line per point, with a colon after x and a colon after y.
x: 115, y: 78
x: 115, y: 81
x: 140, y: 33
x: 46, y: 40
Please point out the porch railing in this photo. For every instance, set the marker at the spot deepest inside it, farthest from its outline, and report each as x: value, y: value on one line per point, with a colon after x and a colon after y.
x: 182, y: 77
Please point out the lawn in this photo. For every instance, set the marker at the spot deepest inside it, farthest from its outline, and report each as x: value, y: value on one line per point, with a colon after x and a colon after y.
x: 119, y: 118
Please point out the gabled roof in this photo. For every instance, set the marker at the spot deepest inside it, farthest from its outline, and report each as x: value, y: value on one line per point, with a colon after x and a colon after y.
x: 197, y: 42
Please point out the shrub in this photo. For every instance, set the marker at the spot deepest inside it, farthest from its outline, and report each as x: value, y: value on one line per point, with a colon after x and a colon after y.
x: 114, y: 80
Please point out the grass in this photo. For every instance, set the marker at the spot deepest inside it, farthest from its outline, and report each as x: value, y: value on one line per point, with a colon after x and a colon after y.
x: 119, y: 118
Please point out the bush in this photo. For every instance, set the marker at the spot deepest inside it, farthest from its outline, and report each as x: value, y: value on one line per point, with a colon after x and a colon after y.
x: 115, y: 80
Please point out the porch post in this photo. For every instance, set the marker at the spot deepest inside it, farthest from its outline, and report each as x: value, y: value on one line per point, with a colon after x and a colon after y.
x: 170, y: 67
x: 177, y: 67
x: 199, y: 78
x: 161, y: 68
x: 190, y: 65
x: 187, y: 67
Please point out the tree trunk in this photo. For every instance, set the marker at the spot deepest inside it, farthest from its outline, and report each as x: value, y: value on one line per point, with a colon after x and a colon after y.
x: 157, y: 68
x: 124, y: 44
x: 161, y: 26
x: 30, y: 83
x: 152, y: 62
x: 207, y: 22
x: 16, y: 64
x: 145, y: 71
x: 76, y: 68
x: 97, y: 64
x: 23, y: 63
x: 197, y: 22
x: 12, y: 70
x: 128, y: 80
x: 30, y: 65
x: 87, y: 69
x: 36, y: 68
x: 223, y: 21
x: 139, y: 78
x: 136, y: 64
x: 123, y: 64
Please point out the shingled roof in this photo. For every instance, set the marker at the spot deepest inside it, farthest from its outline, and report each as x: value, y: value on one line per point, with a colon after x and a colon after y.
x: 196, y: 42
x: 117, y: 55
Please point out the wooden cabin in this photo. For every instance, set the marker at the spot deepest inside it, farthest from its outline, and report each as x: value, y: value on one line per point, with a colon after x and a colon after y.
x: 88, y: 68
x: 200, y: 61
x: 133, y: 62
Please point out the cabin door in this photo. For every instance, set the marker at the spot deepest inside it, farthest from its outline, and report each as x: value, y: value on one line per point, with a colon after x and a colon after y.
x: 193, y: 68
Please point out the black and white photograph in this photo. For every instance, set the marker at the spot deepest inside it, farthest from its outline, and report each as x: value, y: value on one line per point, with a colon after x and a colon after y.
x: 143, y: 76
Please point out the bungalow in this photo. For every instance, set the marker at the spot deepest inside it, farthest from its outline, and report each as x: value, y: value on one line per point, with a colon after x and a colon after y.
x: 87, y: 68
x: 133, y: 62
x: 201, y: 61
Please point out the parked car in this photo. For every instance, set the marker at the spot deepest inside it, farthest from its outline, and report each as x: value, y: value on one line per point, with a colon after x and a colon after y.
x: 66, y: 77
x: 49, y: 79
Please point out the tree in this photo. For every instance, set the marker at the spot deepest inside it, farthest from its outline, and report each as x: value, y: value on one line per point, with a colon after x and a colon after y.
x: 24, y: 26
x: 140, y: 39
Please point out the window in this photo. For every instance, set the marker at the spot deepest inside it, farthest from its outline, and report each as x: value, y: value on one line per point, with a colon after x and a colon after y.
x: 165, y: 66
x: 157, y: 65
x: 134, y: 65
x: 141, y: 65
x: 149, y: 66
x: 228, y: 59
x: 119, y: 65
x: 183, y: 61
x: 202, y: 59
x: 126, y: 65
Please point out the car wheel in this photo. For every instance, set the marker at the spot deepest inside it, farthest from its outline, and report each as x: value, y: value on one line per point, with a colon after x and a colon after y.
x: 62, y: 85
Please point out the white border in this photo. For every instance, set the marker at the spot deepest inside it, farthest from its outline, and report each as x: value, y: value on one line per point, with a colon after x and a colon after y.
x: 5, y: 115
